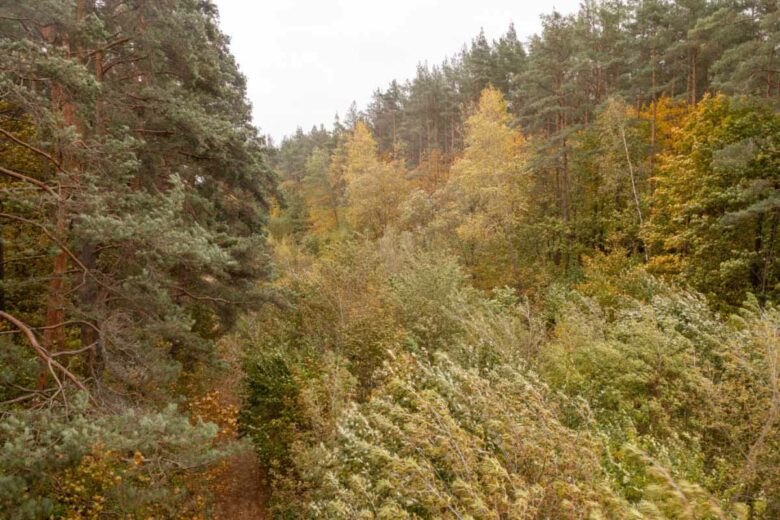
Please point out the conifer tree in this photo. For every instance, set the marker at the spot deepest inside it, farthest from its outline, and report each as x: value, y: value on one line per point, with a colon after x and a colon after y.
x: 153, y: 185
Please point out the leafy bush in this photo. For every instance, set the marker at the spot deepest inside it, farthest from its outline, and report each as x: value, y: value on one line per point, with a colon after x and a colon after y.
x: 441, y: 441
x: 392, y: 389
x: 663, y: 372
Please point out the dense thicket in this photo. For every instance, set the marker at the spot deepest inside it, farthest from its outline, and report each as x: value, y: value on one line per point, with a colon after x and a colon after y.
x: 394, y: 389
x: 134, y: 193
x: 537, y: 281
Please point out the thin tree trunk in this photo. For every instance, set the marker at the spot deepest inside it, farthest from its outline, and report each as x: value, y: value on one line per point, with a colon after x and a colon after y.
x: 54, y: 335
x: 395, y: 144
x: 654, y: 122
x: 633, y: 182
x: 565, y: 183
x: 2, y: 263
x: 631, y: 174
x: 758, y: 245
x: 694, y: 94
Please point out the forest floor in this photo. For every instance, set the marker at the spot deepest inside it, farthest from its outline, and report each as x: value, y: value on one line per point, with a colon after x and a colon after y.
x: 243, y: 492
x: 243, y: 495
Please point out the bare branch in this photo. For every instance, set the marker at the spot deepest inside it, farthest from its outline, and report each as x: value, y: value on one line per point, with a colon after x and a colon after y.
x: 73, y: 352
x: 212, y: 299
x: 32, y: 148
x: 45, y: 187
x: 41, y: 352
x: 132, y: 59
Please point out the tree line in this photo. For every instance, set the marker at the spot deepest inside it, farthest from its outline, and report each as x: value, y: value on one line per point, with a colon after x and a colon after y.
x: 605, y: 99
x: 539, y: 280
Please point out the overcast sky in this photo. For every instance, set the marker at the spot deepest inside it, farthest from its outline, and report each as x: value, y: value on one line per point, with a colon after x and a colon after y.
x: 306, y: 60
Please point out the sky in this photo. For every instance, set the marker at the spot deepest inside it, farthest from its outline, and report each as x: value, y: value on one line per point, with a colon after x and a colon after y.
x: 306, y: 60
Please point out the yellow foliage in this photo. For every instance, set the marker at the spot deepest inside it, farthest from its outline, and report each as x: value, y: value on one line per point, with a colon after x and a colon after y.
x: 670, y: 114
x: 374, y: 188
x: 12, y: 155
x: 212, y: 407
x: 361, y: 153
x: 489, y: 185
x: 84, y: 488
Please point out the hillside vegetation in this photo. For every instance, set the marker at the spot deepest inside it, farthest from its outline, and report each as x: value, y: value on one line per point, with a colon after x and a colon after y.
x: 540, y: 280
x: 536, y: 281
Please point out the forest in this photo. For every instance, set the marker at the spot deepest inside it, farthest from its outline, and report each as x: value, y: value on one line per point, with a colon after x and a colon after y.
x: 539, y: 280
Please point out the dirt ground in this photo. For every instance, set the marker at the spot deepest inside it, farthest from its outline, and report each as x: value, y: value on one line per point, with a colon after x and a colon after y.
x: 244, y: 495
x: 243, y: 490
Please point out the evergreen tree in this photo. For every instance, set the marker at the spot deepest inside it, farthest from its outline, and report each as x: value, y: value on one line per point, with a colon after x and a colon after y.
x: 144, y: 211
x: 751, y: 65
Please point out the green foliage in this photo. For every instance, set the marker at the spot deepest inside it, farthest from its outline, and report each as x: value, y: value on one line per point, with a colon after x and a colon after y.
x: 715, y: 208
x: 640, y: 408
x: 160, y: 219
x: 337, y: 449
x: 134, y: 191
x: 67, y: 465
x: 466, y: 320
x: 405, y: 380
x: 269, y: 414
x: 660, y: 371
x: 441, y: 441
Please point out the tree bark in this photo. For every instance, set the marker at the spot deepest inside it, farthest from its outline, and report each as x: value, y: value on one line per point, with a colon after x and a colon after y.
x: 654, y: 122
x: 54, y: 336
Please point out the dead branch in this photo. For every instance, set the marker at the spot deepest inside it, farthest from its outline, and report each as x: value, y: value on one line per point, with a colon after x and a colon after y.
x: 212, y: 299
x: 42, y: 353
x: 32, y: 148
x: 42, y: 185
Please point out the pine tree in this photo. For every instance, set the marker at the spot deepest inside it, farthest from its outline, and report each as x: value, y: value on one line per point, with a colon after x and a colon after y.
x: 153, y: 185
x: 752, y: 65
